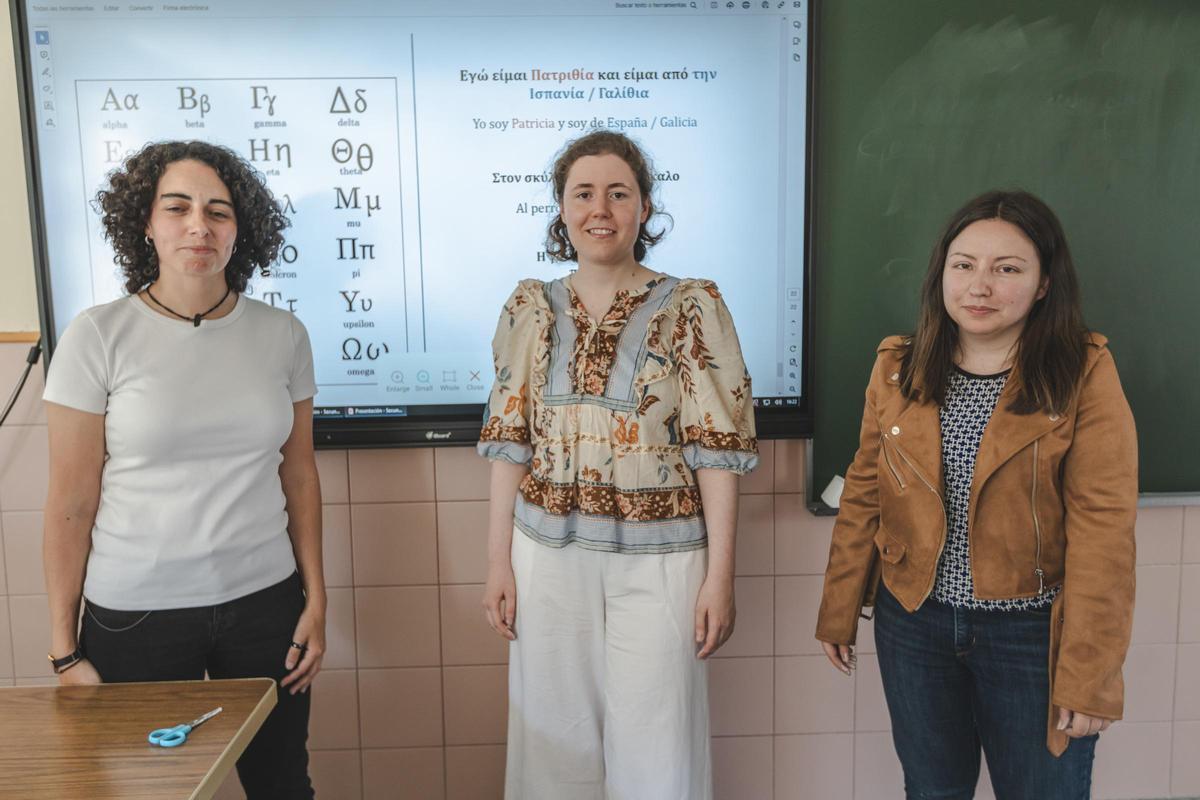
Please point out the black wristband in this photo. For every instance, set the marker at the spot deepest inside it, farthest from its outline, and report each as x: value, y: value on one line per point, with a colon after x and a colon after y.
x: 61, y: 665
x: 61, y: 670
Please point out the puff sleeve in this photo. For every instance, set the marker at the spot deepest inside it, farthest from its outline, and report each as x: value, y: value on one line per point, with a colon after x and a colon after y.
x: 716, y: 404
x: 519, y: 350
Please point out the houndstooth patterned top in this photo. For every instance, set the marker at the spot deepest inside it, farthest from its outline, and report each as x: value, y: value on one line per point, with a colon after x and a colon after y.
x: 970, y: 401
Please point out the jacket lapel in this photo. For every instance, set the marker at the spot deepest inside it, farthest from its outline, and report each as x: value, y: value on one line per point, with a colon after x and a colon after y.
x: 920, y: 438
x: 1007, y: 434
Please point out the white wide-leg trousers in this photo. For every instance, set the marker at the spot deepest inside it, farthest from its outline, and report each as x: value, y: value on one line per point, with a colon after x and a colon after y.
x: 607, y: 700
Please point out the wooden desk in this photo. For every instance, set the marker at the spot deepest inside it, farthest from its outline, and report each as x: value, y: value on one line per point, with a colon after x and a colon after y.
x: 89, y: 742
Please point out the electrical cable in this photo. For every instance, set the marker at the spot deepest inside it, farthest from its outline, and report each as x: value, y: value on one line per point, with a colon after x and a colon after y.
x: 35, y: 352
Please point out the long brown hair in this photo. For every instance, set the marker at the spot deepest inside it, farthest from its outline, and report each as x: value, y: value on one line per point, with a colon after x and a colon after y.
x: 1051, y: 352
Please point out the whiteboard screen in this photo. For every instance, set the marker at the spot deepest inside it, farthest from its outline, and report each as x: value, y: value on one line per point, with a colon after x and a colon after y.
x: 410, y: 144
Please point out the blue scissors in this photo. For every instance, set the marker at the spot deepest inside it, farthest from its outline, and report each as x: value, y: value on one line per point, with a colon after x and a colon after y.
x: 173, y: 737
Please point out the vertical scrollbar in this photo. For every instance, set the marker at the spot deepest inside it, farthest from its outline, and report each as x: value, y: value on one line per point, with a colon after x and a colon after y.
x: 781, y: 348
x: 795, y: 147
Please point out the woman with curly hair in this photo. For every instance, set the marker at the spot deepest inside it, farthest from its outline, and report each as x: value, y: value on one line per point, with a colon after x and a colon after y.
x: 184, y: 505
x: 620, y: 419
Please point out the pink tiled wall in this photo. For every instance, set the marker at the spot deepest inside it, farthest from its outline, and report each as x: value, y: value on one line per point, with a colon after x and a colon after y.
x: 412, y: 700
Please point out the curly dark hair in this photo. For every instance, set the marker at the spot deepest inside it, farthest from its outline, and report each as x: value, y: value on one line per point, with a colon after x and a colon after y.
x: 601, y: 143
x: 126, y: 202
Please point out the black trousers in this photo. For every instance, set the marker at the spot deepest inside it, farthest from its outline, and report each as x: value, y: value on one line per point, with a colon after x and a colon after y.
x: 243, y: 638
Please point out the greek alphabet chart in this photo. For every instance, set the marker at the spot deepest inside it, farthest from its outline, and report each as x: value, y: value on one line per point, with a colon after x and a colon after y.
x: 330, y: 152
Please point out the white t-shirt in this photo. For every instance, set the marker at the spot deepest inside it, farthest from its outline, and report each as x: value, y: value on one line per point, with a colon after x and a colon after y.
x: 192, y: 512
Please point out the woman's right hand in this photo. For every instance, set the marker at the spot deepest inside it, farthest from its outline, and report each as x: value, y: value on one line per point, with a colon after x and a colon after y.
x: 82, y: 674
x: 500, y: 600
x: 841, y: 656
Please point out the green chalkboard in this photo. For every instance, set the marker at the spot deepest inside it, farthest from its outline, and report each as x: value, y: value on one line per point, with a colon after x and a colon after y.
x: 1094, y: 106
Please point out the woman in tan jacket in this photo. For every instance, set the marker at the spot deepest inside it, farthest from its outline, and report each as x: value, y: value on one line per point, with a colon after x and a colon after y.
x: 988, y: 518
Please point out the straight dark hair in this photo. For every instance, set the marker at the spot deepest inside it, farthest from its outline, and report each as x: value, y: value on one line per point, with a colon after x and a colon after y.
x: 1052, y: 350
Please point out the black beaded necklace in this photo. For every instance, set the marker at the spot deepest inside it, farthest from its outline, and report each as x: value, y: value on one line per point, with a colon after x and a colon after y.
x: 194, y: 320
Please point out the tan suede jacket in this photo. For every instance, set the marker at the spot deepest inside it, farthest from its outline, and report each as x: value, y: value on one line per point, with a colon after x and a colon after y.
x: 1053, y: 502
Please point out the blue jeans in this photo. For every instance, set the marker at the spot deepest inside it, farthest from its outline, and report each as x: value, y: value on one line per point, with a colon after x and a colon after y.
x: 244, y: 638
x: 957, y: 679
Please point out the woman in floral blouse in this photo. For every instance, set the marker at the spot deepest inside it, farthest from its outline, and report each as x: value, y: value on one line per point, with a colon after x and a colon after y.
x: 619, y: 420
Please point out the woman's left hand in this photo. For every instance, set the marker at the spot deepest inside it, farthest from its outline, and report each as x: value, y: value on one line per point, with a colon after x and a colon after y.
x: 715, y: 612
x: 1077, y: 724
x: 304, y: 664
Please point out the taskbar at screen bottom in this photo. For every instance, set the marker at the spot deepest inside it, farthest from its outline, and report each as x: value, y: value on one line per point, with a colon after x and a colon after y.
x: 471, y: 411
x: 396, y: 426
x: 424, y: 425
x: 390, y: 411
x: 776, y: 402
x: 359, y: 412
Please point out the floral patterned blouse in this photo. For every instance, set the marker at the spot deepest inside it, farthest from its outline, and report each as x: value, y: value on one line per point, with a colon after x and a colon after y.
x: 614, y: 417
